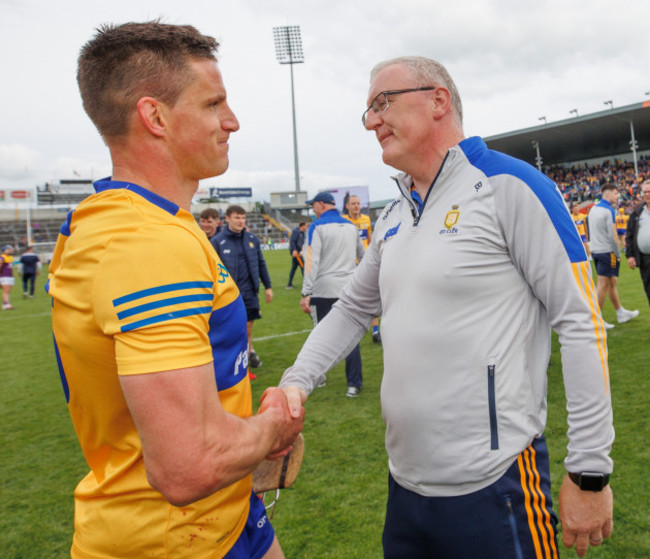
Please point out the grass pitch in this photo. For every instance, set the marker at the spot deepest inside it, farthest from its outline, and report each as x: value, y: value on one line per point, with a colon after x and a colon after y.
x: 336, y: 507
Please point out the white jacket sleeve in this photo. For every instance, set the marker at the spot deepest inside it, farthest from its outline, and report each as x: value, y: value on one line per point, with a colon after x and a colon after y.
x: 546, y: 249
x: 337, y: 334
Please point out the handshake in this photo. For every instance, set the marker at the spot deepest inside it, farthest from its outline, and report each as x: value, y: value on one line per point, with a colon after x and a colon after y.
x: 280, y: 468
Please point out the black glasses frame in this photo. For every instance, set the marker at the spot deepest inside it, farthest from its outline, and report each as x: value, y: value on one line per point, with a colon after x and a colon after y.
x: 376, y: 108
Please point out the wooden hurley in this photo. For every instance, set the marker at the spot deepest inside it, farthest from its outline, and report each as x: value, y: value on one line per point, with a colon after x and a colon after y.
x: 281, y: 473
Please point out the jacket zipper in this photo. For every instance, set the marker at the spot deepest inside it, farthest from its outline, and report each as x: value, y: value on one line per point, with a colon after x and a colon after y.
x: 494, y: 434
x: 414, y: 212
x: 513, y: 527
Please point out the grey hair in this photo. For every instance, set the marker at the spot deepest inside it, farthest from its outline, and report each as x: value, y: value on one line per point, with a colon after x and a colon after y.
x: 426, y: 72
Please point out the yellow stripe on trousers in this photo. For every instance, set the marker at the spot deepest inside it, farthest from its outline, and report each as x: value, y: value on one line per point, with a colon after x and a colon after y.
x: 539, y: 518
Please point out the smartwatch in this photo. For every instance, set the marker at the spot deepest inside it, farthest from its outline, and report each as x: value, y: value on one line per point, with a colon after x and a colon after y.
x: 590, y: 481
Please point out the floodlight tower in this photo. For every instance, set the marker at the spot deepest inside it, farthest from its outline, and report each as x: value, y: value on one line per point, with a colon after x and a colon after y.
x: 288, y: 50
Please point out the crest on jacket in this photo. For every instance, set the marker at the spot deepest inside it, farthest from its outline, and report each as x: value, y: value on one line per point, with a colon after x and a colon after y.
x: 452, y: 217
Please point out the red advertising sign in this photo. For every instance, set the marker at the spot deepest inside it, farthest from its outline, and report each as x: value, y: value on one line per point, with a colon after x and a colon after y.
x: 19, y: 194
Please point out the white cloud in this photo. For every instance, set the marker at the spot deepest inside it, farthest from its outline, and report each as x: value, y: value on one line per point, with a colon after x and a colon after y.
x: 18, y: 162
x: 513, y: 61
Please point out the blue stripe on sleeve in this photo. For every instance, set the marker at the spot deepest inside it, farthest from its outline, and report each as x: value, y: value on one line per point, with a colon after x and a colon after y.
x: 164, y: 303
x: 494, y: 163
x: 165, y: 317
x: 162, y: 289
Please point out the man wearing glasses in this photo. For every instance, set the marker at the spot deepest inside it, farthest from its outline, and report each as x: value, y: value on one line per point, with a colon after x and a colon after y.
x: 470, y: 267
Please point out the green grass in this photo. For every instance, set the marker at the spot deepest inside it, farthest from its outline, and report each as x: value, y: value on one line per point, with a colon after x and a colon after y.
x: 336, y: 507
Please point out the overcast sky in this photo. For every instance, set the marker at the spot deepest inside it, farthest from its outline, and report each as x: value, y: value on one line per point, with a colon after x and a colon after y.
x: 513, y: 62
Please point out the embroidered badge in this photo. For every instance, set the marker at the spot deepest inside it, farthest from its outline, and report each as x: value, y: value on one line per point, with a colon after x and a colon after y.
x: 452, y: 217
x: 451, y: 220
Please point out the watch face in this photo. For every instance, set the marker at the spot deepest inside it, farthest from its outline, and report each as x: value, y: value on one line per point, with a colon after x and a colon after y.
x: 593, y: 483
x: 590, y: 481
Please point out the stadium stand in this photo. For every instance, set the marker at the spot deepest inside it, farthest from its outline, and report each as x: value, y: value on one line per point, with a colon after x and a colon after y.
x: 582, y: 182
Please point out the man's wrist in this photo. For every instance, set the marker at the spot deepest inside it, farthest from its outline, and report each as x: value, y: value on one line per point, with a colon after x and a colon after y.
x: 590, y: 481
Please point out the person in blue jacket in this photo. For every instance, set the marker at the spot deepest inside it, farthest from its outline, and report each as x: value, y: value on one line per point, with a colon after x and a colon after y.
x: 296, y: 242
x: 241, y: 254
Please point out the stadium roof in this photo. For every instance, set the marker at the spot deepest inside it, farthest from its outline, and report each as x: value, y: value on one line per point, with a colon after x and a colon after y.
x: 593, y: 136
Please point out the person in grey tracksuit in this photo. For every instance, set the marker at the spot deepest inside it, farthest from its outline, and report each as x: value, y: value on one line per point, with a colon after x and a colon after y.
x: 331, y: 251
x: 470, y: 267
x: 606, y: 253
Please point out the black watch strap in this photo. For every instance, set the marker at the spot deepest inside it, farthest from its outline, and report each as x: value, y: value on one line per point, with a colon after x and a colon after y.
x: 590, y: 481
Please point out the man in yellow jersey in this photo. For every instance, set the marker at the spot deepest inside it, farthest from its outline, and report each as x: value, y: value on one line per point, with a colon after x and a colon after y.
x: 580, y: 220
x: 621, y: 226
x: 362, y: 221
x: 149, y: 327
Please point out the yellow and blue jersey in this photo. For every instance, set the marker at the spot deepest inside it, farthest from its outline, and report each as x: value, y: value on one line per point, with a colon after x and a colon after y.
x: 363, y: 225
x: 621, y: 222
x: 581, y: 223
x: 137, y: 288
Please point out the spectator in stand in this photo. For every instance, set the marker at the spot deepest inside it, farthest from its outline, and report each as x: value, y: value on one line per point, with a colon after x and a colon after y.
x: 31, y: 267
x: 296, y: 243
x: 581, y: 182
x: 637, y: 238
x: 241, y: 254
x: 210, y: 222
x: 606, y: 252
x: 6, y: 276
x: 352, y: 205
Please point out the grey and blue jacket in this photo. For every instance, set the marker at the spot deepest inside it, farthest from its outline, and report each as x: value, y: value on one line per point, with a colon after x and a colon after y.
x: 469, y: 283
x: 331, y: 251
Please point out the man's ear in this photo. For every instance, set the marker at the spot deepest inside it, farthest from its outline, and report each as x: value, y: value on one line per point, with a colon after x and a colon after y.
x: 441, y: 102
x: 151, y: 116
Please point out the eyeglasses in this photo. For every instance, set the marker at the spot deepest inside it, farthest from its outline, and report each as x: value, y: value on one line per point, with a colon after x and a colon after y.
x: 380, y: 103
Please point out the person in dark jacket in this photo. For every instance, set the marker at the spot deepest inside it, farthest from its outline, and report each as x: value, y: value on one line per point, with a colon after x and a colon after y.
x: 637, y: 238
x: 31, y: 267
x: 241, y: 254
x: 295, y: 248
